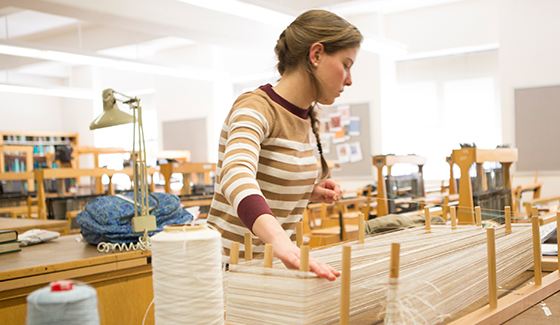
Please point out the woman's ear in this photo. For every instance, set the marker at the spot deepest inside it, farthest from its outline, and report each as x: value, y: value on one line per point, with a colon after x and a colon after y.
x: 316, y: 51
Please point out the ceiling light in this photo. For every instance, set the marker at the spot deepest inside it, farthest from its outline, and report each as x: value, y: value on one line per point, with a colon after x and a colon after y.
x: 32, y: 51
x: 245, y: 10
x: 65, y: 92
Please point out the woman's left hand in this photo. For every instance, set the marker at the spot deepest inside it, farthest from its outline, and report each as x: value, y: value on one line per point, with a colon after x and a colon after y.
x: 327, y: 191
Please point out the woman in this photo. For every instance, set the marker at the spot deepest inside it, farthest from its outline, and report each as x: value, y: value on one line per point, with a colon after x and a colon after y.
x: 267, y: 172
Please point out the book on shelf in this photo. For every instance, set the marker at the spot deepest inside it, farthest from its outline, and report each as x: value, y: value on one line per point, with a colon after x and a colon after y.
x: 11, y: 246
x: 8, y: 235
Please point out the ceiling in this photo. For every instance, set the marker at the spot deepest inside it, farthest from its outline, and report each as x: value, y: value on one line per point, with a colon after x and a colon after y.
x: 166, y: 36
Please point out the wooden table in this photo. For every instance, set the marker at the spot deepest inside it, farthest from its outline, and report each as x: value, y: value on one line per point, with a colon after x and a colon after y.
x: 123, y: 280
x: 22, y: 225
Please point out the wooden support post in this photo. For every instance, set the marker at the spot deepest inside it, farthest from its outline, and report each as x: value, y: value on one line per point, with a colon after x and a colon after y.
x: 534, y: 211
x: 304, y: 259
x: 478, y: 216
x: 345, y: 286
x: 508, y: 220
x: 428, y: 219
x: 492, y: 276
x: 537, y: 250
x: 360, y: 228
x: 299, y: 234
x: 268, y: 254
x: 248, y: 247
x: 453, y: 215
x: 234, y: 253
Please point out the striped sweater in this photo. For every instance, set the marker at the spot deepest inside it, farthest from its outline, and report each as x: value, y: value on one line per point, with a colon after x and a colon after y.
x: 265, y: 165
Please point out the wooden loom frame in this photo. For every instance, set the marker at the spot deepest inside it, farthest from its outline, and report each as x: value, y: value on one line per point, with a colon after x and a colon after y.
x: 464, y: 158
x: 389, y: 160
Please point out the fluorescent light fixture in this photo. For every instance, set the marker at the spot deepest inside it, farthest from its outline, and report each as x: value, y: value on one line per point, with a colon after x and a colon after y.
x: 383, y: 46
x: 65, y: 92
x: 245, y: 10
x: 449, y: 52
x: 31, y: 51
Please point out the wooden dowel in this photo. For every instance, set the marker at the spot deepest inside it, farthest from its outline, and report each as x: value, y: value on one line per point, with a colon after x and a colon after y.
x: 558, y: 236
x: 453, y: 215
x: 345, y: 286
x: 361, y: 228
x: 395, y: 261
x: 304, y: 259
x: 299, y: 234
x: 268, y: 255
x: 234, y: 253
x: 248, y: 247
x: 508, y: 220
x: 537, y: 250
x: 478, y: 216
x: 492, y: 276
x: 428, y: 219
x: 392, y: 314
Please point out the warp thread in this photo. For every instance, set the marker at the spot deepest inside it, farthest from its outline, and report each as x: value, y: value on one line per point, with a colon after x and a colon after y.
x: 74, y: 304
x: 187, y: 276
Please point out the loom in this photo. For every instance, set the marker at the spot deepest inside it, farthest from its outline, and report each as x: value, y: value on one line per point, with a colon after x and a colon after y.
x: 490, y: 188
x: 387, y: 190
x: 442, y: 271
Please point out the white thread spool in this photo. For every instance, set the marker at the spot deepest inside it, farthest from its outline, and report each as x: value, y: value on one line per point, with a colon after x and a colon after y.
x: 187, y: 276
x: 63, y: 303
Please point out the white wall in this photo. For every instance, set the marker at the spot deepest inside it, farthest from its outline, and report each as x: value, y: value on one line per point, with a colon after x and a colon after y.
x: 24, y: 112
x: 529, y: 52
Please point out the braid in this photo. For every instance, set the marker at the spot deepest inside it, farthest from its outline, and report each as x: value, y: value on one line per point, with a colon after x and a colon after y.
x: 314, y: 127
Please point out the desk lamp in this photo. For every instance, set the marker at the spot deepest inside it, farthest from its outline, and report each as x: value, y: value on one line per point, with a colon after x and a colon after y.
x: 112, y: 116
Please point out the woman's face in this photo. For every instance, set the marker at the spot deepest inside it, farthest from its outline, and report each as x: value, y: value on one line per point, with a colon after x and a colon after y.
x: 334, y: 72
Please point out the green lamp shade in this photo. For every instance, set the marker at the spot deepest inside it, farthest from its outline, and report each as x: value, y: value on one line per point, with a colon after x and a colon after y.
x: 111, y: 117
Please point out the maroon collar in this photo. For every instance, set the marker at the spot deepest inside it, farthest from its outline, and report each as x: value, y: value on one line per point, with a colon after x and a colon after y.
x: 303, y: 113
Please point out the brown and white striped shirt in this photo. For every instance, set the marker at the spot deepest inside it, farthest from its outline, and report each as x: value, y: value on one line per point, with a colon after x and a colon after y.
x: 265, y: 165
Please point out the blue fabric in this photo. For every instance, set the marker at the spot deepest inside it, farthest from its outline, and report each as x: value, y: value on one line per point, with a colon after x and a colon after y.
x: 109, y: 218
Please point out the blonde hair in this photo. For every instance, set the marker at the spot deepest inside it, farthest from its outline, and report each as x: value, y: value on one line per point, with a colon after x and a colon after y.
x: 292, y: 50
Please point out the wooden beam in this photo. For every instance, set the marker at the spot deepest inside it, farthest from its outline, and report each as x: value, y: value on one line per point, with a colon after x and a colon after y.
x: 513, y: 304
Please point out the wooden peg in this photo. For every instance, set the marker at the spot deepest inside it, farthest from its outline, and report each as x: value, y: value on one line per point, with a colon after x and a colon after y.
x: 392, y: 314
x: 268, y: 255
x: 478, y: 216
x: 395, y: 261
x: 299, y: 234
x: 537, y: 250
x: 453, y: 215
x: 508, y: 220
x: 361, y: 228
x: 234, y: 253
x: 304, y: 259
x: 558, y: 236
x: 428, y: 219
x: 492, y: 276
x: 248, y: 247
x: 345, y: 286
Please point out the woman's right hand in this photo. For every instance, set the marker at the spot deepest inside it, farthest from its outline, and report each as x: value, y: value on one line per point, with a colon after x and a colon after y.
x: 270, y: 232
x: 289, y: 254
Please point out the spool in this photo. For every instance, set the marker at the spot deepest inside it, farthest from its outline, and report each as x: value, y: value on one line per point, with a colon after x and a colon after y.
x: 187, y: 277
x: 63, y: 302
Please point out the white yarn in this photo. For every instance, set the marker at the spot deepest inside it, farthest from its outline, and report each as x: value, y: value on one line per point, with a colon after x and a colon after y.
x: 187, y: 276
x: 77, y: 306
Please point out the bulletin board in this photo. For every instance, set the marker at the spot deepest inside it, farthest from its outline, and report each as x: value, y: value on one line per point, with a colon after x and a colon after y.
x: 187, y: 135
x: 345, y: 138
x: 537, y: 131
